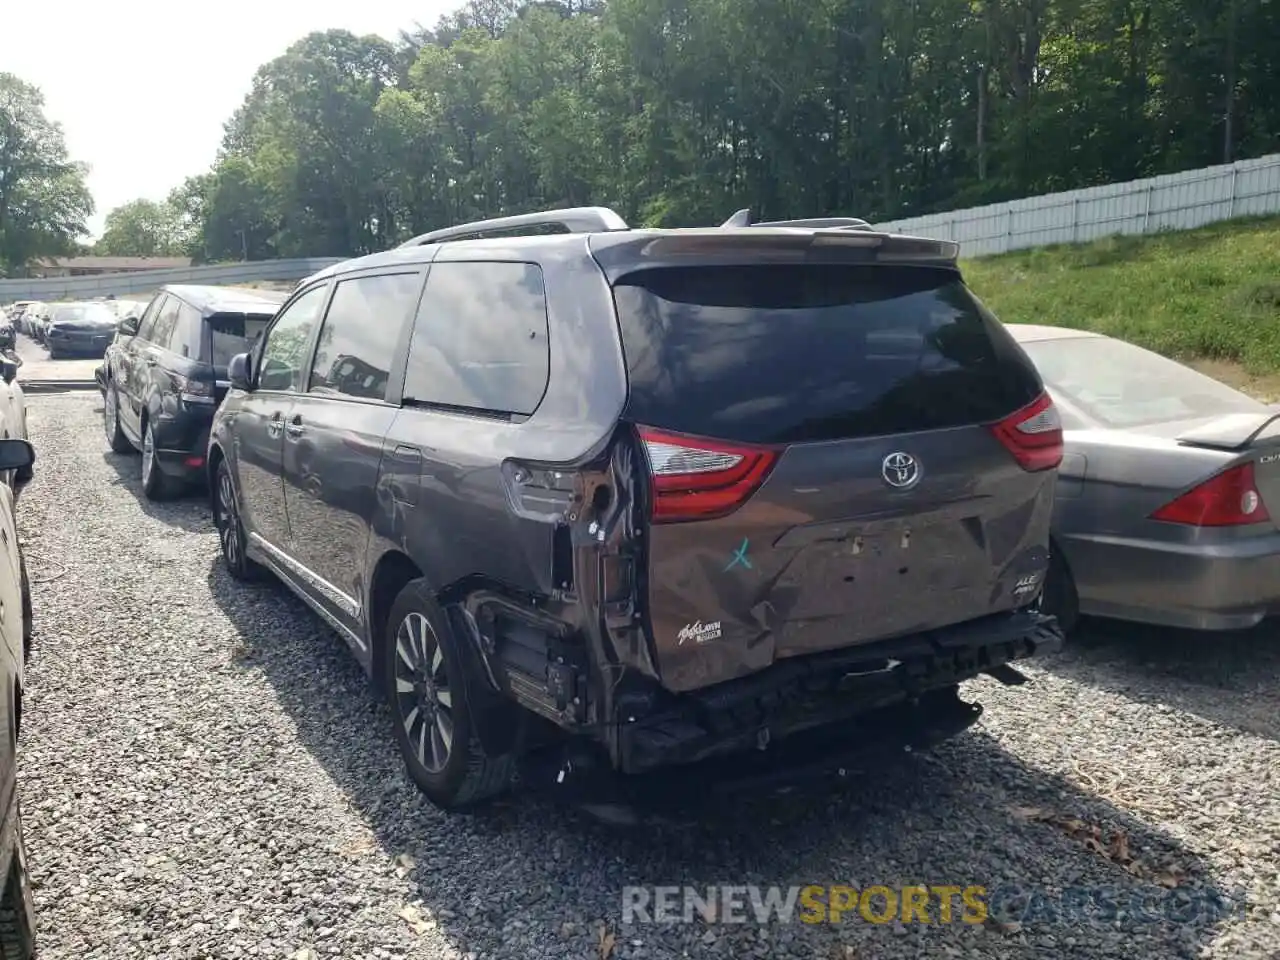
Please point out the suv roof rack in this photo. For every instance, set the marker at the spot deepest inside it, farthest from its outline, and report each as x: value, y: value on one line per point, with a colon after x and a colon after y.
x: 570, y: 220
x: 743, y: 219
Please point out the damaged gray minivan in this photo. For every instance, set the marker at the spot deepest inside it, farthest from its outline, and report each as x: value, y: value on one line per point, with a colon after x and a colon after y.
x: 732, y: 499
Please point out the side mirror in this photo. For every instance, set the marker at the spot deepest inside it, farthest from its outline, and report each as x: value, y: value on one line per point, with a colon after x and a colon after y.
x: 240, y: 372
x: 8, y: 369
x: 16, y: 455
x: 128, y: 326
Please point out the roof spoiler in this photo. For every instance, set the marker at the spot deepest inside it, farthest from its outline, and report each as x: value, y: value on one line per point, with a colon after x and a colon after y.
x: 568, y: 220
x: 743, y: 219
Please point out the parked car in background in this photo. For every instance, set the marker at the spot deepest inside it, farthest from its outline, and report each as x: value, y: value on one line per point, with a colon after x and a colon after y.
x: 166, y: 375
x: 8, y: 331
x: 123, y: 334
x: 640, y: 499
x: 36, y: 319
x: 17, y: 909
x: 18, y: 312
x: 1166, y: 489
x: 79, y: 329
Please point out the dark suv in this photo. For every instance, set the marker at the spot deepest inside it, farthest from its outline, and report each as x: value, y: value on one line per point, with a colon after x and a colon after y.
x: 680, y: 494
x: 165, y: 374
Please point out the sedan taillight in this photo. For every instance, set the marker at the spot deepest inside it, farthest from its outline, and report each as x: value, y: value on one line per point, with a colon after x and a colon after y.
x: 1228, y: 499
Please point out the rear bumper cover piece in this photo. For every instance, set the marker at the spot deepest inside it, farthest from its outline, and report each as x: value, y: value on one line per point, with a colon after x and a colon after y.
x: 825, y: 691
x: 1219, y: 586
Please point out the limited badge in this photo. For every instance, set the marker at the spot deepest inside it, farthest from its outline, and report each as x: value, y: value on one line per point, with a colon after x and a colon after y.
x: 699, y: 632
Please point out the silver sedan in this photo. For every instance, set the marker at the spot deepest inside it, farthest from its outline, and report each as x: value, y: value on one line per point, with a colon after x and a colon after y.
x: 1163, y: 512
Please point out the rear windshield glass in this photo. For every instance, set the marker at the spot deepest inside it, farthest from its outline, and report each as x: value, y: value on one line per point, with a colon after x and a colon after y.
x: 84, y: 313
x: 1120, y: 385
x: 794, y: 353
x: 232, y: 333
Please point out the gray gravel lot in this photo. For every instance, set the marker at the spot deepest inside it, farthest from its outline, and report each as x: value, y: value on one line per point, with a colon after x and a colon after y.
x: 204, y: 774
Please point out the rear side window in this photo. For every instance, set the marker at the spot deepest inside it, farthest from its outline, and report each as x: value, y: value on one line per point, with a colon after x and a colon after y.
x: 232, y: 333
x: 360, y: 333
x: 185, y: 339
x: 796, y: 353
x: 480, y: 341
x: 166, y: 321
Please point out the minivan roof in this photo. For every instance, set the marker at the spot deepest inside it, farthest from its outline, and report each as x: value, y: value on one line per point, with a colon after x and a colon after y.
x: 210, y: 300
x: 598, y: 231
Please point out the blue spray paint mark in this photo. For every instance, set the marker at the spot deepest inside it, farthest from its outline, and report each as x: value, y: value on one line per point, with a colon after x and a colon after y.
x: 740, y: 557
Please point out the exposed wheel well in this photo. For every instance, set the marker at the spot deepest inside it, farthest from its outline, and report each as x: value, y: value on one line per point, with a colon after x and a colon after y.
x: 393, y: 571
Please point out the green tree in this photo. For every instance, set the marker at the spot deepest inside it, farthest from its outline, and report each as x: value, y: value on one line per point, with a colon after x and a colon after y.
x: 143, y: 228
x: 678, y: 112
x: 44, y: 202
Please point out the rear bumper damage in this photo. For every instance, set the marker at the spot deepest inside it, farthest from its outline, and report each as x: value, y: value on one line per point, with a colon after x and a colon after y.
x: 801, y: 719
x: 825, y: 692
x: 825, y: 753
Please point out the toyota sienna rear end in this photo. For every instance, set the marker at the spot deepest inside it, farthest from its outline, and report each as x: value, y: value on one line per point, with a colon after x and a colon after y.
x: 850, y: 469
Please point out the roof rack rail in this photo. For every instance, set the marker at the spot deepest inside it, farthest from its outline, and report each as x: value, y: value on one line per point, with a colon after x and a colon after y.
x: 570, y: 220
x: 743, y: 219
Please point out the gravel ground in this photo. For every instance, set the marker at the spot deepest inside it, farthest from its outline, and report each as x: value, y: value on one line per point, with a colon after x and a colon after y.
x: 204, y: 774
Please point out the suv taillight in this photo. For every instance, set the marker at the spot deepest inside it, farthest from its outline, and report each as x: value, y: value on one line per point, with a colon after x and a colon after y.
x: 1033, y: 434
x: 1229, y: 499
x: 697, y: 479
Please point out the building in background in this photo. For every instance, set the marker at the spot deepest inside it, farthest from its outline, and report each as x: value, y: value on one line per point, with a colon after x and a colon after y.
x: 94, y: 266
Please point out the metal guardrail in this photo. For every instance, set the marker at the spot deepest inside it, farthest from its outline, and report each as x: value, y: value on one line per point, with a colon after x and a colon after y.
x: 141, y: 281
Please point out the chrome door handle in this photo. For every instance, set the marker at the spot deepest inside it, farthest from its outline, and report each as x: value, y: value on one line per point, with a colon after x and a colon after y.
x: 293, y: 429
x: 274, y: 425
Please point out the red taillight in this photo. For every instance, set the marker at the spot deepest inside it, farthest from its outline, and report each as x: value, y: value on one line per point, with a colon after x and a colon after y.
x: 698, y: 479
x: 1229, y: 499
x: 1033, y: 434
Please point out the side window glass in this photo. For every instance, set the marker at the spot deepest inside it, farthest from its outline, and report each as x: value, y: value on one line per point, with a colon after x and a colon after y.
x: 148, y: 322
x: 480, y: 339
x: 360, y: 333
x: 166, y: 321
x: 283, y: 363
x: 185, y: 339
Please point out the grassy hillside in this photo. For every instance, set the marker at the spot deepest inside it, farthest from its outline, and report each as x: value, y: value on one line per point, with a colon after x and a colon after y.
x: 1211, y: 294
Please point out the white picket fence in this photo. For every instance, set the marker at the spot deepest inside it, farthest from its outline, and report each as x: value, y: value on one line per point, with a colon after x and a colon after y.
x: 1177, y: 201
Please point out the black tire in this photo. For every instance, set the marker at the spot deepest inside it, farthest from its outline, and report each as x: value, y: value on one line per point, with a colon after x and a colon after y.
x: 118, y: 442
x: 155, y: 485
x: 226, y: 518
x: 17, y: 909
x: 1060, y: 597
x: 466, y: 776
x: 28, y: 615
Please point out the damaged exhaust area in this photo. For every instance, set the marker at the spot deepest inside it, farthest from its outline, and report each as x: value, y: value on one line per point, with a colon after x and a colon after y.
x: 582, y: 659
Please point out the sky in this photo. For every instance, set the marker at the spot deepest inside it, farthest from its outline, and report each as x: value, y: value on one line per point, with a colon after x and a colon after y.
x: 142, y: 88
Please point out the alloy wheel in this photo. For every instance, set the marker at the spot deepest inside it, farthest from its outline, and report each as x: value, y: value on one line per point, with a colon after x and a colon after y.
x: 110, y: 412
x: 228, y: 519
x: 148, y: 455
x: 424, y: 700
